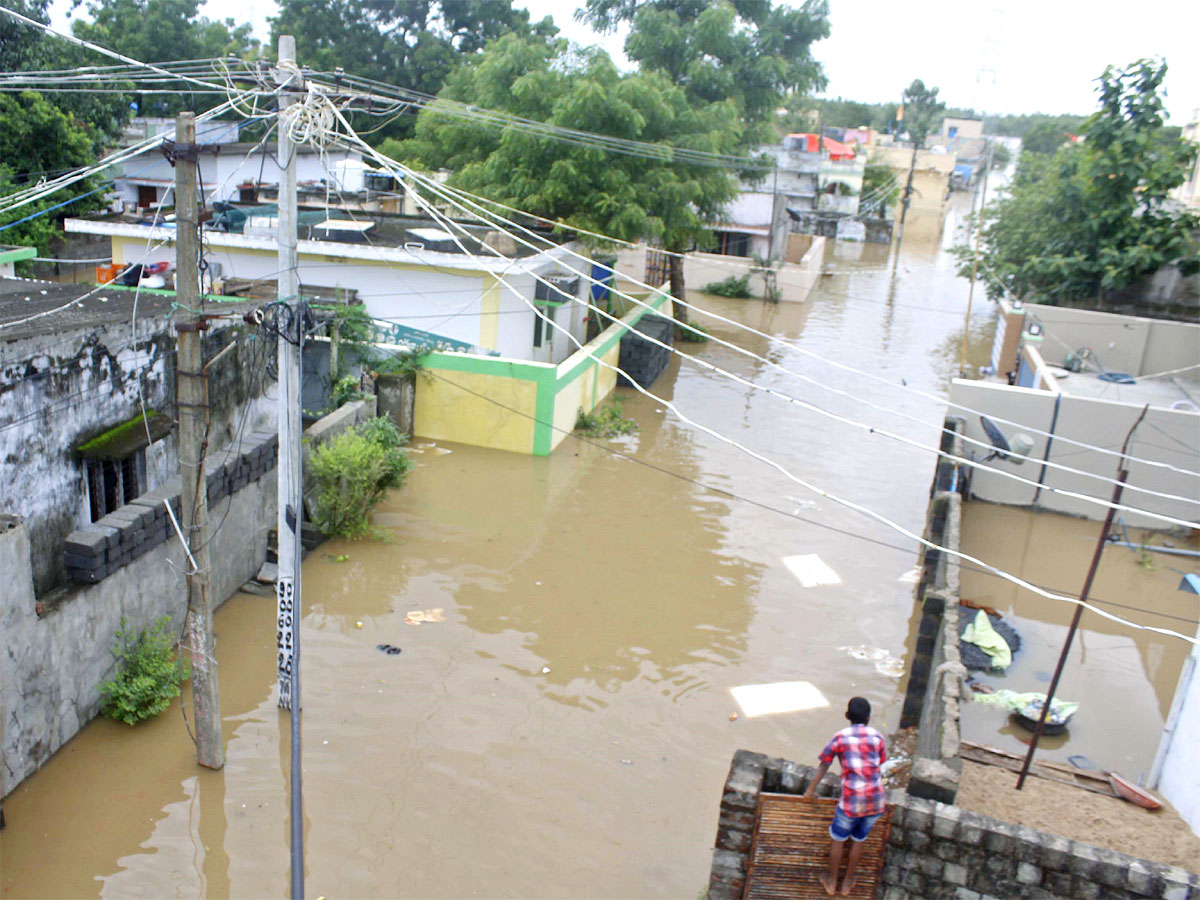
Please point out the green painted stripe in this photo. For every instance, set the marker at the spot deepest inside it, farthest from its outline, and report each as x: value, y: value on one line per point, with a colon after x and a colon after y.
x: 485, y: 365
x: 543, y: 428
x: 13, y: 254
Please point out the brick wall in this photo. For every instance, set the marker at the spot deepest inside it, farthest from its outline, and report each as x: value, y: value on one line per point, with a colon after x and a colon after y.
x: 941, y: 852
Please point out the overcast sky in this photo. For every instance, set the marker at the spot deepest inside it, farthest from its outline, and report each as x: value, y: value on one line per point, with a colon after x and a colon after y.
x: 1009, y: 56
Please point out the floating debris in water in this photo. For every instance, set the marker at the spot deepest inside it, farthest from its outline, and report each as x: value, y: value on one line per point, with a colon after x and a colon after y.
x: 912, y: 576
x: 389, y: 649
x: 545, y: 670
x: 358, y: 624
x: 779, y: 697
x: 885, y: 663
x: 803, y: 504
x: 811, y: 570
x: 337, y: 557
x: 423, y: 616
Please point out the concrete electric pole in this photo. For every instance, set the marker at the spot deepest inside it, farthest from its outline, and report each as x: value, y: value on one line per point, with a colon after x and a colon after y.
x: 192, y: 405
x: 291, y: 502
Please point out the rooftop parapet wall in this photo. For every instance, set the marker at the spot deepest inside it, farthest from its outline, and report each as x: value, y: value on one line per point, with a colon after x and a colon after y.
x: 941, y: 852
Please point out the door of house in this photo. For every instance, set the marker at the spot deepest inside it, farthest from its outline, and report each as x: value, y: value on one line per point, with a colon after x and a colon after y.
x: 147, y: 196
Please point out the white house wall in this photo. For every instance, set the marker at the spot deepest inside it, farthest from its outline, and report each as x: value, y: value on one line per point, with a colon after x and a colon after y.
x: 1168, y: 436
x: 451, y: 303
x: 221, y: 174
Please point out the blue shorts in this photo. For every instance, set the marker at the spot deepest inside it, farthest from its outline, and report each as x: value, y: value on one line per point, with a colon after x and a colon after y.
x: 845, y: 826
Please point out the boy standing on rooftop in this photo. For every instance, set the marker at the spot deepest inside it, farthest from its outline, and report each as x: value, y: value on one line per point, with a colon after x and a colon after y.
x: 862, y: 752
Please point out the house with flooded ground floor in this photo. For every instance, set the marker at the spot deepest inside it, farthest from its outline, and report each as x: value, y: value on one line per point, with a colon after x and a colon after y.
x: 515, y: 339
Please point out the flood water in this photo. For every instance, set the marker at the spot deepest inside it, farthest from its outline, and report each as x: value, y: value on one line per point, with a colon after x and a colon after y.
x: 566, y: 730
x: 1124, y: 679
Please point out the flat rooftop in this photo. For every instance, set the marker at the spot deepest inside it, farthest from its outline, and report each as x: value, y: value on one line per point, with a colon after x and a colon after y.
x: 331, y: 225
x: 21, y: 298
x: 1164, y: 392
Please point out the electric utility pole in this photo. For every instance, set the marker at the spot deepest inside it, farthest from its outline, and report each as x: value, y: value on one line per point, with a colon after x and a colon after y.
x: 291, y: 504
x: 908, y: 189
x: 192, y: 405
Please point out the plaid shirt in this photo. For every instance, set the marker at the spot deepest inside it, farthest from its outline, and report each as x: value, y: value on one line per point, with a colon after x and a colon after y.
x: 862, y: 751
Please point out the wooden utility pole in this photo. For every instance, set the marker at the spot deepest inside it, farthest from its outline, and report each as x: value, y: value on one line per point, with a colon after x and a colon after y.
x: 908, y: 189
x: 1101, y: 541
x: 291, y: 502
x: 192, y: 405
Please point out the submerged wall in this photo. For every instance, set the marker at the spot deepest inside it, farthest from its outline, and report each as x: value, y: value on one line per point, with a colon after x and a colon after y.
x: 57, y: 653
x: 510, y: 404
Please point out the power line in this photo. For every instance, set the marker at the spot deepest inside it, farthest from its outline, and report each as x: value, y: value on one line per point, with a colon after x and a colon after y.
x: 820, y: 491
x: 805, y: 404
x: 742, y: 498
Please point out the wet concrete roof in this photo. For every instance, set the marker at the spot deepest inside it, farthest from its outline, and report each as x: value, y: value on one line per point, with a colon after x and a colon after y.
x: 93, y: 306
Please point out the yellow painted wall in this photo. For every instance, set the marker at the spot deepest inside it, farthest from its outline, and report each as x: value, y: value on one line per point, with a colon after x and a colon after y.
x: 489, y: 319
x: 445, y: 412
x: 586, y: 392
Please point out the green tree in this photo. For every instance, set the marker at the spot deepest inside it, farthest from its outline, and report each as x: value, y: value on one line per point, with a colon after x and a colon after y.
x: 1095, y: 218
x: 922, y: 111
x: 162, y: 30
x: 1001, y: 156
x: 749, y: 54
x: 38, y: 138
x: 627, y: 196
x: 409, y: 43
x: 1044, y: 137
x: 880, y: 189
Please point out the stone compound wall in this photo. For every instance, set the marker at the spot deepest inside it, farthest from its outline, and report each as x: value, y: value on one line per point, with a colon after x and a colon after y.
x: 937, y: 678
x: 941, y: 852
x: 55, y: 655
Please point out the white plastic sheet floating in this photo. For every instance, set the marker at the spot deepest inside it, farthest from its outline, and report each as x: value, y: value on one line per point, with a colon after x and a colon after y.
x: 779, y: 697
x: 811, y: 570
x: 912, y: 576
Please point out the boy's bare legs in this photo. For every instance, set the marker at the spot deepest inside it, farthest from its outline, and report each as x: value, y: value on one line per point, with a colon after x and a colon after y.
x: 856, y: 852
x: 829, y: 879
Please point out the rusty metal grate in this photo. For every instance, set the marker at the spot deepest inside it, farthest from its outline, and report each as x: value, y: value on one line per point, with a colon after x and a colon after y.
x: 791, y: 848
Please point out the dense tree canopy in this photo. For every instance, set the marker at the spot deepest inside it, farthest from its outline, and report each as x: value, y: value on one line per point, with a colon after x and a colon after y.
x: 627, y: 196
x: 43, y: 135
x: 1094, y: 218
x: 752, y: 52
x: 409, y: 43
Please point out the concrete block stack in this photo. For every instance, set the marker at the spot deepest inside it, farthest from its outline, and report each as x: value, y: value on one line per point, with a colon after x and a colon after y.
x: 96, y: 551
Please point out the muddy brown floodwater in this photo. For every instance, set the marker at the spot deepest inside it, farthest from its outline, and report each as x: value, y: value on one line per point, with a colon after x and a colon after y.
x: 566, y: 730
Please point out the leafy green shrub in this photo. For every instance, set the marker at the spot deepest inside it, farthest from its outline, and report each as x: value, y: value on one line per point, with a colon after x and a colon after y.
x: 733, y: 286
x: 402, y: 363
x: 692, y: 333
x: 354, y: 471
x: 605, y: 422
x: 148, y: 674
x: 345, y: 390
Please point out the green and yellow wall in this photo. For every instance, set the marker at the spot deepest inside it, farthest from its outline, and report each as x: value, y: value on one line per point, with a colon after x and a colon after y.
x: 510, y: 404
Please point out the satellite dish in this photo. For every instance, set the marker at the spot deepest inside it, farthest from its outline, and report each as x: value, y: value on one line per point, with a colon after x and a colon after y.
x: 1014, y: 452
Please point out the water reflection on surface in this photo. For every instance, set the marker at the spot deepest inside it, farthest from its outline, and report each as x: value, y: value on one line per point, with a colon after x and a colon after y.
x: 566, y: 730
